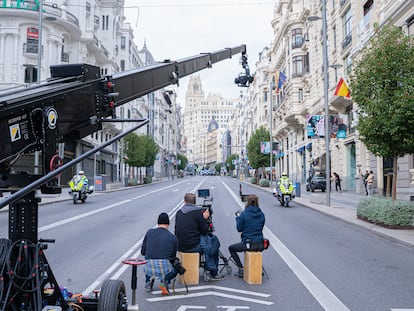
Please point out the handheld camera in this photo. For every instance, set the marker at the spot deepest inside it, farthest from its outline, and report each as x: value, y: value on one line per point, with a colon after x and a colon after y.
x: 207, y: 204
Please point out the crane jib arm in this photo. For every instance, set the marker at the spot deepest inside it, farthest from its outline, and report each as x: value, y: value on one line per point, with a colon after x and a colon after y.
x: 72, y: 103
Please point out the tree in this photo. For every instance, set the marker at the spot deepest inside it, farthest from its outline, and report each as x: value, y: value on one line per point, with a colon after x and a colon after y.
x: 382, y: 85
x: 140, y: 150
x: 256, y: 158
x: 183, y: 160
x: 229, y: 162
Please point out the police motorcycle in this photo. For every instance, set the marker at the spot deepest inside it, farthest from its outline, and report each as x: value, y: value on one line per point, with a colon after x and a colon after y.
x: 284, y: 191
x: 79, y: 188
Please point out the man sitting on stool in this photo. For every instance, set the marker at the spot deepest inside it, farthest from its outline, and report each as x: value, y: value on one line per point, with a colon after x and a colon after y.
x: 159, y: 247
x: 250, y: 223
x: 192, y: 231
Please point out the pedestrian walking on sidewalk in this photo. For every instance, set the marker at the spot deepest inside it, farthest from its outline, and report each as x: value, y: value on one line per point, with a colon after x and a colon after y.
x: 365, y: 177
x: 370, y: 182
x: 337, y: 182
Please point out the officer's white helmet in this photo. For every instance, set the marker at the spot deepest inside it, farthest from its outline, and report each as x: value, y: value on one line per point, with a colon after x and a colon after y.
x: 81, y: 173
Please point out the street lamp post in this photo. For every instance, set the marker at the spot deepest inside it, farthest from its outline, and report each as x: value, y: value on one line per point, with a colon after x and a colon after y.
x: 271, y: 86
x: 325, y: 91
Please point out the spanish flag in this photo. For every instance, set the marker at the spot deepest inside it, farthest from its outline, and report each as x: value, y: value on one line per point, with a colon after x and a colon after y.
x: 342, y: 89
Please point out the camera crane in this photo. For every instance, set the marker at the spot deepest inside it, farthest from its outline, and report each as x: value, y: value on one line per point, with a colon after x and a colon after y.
x: 72, y: 104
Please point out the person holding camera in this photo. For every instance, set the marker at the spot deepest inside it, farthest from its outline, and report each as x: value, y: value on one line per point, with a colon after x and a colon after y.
x: 250, y: 223
x: 192, y: 228
x: 159, y: 248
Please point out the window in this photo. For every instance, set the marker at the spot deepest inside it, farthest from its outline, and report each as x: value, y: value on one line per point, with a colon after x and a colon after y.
x: 122, y: 65
x: 300, y: 95
x: 348, y: 64
x: 123, y: 43
x: 410, y: 26
x: 30, y: 74
x: 297, y: 66
x: 368, y: 6
x: 347, y: 26
x: 32, y: 41
x: 105, y: 22
x: 297, y: 38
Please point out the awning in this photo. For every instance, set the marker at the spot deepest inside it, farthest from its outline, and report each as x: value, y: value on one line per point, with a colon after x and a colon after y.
x: 309, y: 146
x: 301, y: 149
x: 346, y: 143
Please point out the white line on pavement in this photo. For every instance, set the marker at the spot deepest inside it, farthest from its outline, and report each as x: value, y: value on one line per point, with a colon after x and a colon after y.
x: 209, y: 293
x: 321, y: 293
x: 133, y: 252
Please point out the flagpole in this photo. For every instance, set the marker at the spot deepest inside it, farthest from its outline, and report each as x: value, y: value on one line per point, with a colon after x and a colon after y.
x: 271, y: 132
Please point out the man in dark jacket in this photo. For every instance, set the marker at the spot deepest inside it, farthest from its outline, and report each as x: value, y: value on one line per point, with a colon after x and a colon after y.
x: 159, y: 248
x: 192, y: 231
x: 250, y: 223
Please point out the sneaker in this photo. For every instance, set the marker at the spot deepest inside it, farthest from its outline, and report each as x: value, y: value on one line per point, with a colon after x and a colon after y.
x: 217, y: 277
x: 239, y: 274
x: 149, y: 285
x: 164, y: 289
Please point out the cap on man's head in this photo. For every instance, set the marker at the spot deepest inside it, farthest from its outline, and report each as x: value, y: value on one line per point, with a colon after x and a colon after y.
x: 163, y: 219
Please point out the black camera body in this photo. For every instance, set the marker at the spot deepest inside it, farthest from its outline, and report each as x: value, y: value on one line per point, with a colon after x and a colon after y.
x: 207, y: 205
x: 176, y: 263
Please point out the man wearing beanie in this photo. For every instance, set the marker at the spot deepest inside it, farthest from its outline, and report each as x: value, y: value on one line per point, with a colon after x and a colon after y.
x: 159, y: 247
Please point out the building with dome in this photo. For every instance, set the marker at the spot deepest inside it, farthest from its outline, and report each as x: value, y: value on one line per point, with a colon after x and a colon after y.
x: 206, y: 120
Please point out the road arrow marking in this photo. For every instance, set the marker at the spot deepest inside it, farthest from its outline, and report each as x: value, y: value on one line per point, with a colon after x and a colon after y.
x: 222, y: 288
x: 212, y: 291
x: 183, y: 308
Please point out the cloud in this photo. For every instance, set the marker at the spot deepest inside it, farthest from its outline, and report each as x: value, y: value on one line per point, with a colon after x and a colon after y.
x: 178, y: 29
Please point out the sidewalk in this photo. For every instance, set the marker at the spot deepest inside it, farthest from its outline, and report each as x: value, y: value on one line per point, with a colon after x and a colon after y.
x: 343, y: 206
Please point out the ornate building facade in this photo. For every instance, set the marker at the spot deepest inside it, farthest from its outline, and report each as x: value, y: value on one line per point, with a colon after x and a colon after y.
x: 297, y: 52
x: 92, y: 32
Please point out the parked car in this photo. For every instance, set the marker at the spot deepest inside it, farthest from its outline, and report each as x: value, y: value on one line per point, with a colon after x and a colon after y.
x: 316, y: 182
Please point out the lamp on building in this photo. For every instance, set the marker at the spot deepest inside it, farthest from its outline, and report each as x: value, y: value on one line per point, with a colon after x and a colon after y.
x: 325, y: 92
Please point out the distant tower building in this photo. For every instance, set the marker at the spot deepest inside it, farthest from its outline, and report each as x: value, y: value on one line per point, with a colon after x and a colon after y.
x: 198, y: 116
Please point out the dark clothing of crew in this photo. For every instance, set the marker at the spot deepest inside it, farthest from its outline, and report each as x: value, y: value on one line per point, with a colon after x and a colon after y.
x: 163, y: 244
x: 189, y: 225
x: 250, y: 223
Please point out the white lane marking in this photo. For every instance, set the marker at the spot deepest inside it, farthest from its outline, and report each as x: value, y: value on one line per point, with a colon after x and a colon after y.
x: 84, y: 215
x: 183, y: 308
x: 222, y: 288
x: 112, y: 268
x: 135, y: 250
x: 78, y: 217
x: 322, y: 294
x: 209, y: 293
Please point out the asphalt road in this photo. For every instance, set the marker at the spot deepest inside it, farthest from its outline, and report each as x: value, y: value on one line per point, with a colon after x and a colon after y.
x: 315, y: 262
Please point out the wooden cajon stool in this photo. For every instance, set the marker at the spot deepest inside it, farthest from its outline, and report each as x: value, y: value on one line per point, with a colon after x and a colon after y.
x: 191, y: 263
x: 253, y: 267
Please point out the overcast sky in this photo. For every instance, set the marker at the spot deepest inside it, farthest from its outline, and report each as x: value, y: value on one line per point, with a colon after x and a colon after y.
x: 178, y: 29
